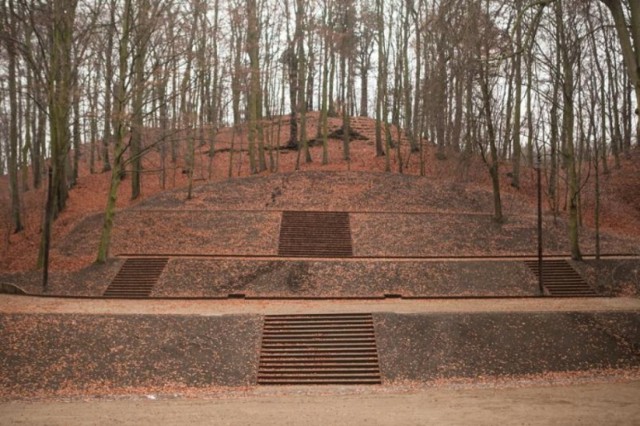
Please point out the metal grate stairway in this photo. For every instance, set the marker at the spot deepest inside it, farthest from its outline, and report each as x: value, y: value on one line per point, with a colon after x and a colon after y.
x: 136, y: 278
x: 560, y: 279
x: 336, y: 349
x: 315, y: 234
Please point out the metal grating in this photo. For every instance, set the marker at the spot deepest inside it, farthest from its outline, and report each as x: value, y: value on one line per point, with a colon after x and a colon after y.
x: 315, y: 234
x: 334, y: 349
x: 560, y: 279
x: 136, y: 278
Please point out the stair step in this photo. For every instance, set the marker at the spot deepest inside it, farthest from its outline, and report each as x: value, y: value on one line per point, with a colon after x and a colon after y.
x: 560, y: 278
x: 136, y: 278
x: 315, y: 234
x: 319, y: 349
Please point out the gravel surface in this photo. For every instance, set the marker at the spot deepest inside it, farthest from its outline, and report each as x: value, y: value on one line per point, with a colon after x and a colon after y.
x: 429, y: 234
x: 90, y: 281
x: 72, y: 354
x: 18, y: 304
x: 619, y: 277
x: 182, y: 232
x: 425, y: 347
x: 586, y: 404
x: 105, y: 354
x: 289, y: 278
x: 285, y: 278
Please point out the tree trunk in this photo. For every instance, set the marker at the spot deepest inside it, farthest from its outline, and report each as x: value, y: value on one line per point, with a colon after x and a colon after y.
x: 108, y: 89
x: 517, y: 147
x: 567, y: 126
x: 441, y: 100
x: 416, y: 130
x: 380, y: 86
x: 110, y: 210
x: 530, y: 129
x: 255, y: 108
x: 14, y: 187
x: 61, y: 81
x: 630, y: 43
x: 301, y: 73
x: 121, y: 100
x: 493, y: 165
x: 139, y: 57
x: 76, y: 132
x: 324, y: 111
x: 407, y: 104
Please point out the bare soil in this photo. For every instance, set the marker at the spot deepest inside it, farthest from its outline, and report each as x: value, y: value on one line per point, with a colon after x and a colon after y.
x: 585, y: 404
x: 13, y: 304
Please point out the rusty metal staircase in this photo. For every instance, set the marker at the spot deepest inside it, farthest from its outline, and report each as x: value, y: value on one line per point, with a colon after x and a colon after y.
x: 136, y: 278
x: 560, y: 279
x: 336, y: 349
x: 315, y: 234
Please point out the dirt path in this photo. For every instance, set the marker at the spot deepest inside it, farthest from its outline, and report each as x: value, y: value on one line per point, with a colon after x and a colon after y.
x: 592, y: 404
x: 22, y: 304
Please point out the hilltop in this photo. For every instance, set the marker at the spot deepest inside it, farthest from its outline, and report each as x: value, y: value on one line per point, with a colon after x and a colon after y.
x: 448, y: 186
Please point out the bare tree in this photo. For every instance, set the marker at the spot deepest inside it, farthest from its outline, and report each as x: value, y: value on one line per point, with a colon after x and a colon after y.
x: 119, y: 128
x: 9, y: 27
x: 254, y: 96
x: 485, y: 43
x: 568, y: 52
x: 628, y: 30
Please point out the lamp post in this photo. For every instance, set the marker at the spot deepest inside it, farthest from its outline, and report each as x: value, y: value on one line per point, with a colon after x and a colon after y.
x: 47, y: 231
x: 538, y: 167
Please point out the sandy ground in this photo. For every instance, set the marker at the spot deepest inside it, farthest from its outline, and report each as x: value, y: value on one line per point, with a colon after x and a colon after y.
x: 11, y: 304
x: 588, y: 404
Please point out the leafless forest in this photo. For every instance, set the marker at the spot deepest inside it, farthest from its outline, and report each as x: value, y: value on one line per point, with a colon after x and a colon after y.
x: 508, y: 81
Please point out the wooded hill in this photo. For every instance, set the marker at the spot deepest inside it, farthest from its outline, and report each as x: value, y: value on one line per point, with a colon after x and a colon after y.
x: 460, y: 184
x: 140, y: 85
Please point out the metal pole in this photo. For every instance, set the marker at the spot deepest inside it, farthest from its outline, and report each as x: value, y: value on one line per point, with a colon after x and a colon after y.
x: 47, y: 231
x: 540, y: 281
